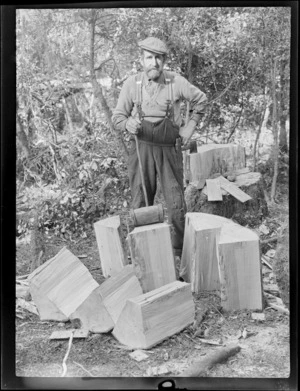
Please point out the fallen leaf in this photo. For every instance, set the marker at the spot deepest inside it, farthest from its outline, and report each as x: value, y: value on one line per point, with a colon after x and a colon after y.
x: 264, y: 229
x: 210, y: 342
x: 271, y: 253
x: 138, y: 355
x: 258, y: 316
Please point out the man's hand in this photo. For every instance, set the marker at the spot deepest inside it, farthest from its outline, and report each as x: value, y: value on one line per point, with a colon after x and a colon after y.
x: 187, y: 132
x: 133, y: 125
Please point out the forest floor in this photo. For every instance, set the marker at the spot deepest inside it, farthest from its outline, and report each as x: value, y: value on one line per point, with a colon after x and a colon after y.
x: 265, y: 343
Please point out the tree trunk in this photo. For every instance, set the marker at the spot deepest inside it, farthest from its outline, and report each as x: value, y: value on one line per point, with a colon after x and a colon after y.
x: 283, y: 144
x: 257, y: 137
x: 97, y: 87
x: 275, y: 134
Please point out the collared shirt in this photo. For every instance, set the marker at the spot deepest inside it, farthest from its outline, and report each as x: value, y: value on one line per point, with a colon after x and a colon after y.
x: 154, y: 107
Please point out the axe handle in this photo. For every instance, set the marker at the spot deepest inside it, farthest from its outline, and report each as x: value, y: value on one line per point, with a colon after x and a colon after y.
x: 141, y: 168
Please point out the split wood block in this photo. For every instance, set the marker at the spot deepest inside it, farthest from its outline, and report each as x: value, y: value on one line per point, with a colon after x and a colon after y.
x: 117, y: 289
x: 214, y: 192
x: 228, y: 187
x: 233, y: 190
x: 109, y: 243
x: 154, y: 316
x: 240, y: 268
x: 93, y: 314
x: 216, y: 248
x: 152, y: 255
x: 63, y: 288
x: 108, y: 300
x: 214, y: 158
x: 199, y: 264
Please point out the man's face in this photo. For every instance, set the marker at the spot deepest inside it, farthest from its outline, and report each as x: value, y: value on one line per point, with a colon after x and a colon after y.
x: 153, y: 64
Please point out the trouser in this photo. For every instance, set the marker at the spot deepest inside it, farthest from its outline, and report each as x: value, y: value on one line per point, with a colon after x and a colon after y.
x: 160, y: 158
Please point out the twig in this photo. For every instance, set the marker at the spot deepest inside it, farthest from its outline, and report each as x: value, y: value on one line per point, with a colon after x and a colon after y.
x: 82, y: 367
x: 67, y: 354
x: 220, y: 314
x: 273, y: 239
x: 22, y: 277
x: 279, y: 308
x: 266, y: 263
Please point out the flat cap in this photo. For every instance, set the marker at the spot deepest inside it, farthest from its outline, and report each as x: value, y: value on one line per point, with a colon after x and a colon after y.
x: 154, y: 45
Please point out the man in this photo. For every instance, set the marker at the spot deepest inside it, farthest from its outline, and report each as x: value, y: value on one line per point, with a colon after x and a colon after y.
x: 149, y: 107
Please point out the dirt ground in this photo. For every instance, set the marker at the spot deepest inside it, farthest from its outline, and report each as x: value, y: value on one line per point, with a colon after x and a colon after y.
x: 265, y: 344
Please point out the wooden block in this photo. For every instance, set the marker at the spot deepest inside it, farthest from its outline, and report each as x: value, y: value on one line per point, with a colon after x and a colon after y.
x: 66, y: 334
x: 237, y: 259
x: 93, y: 314
x: 152, y: 255
x: 214, y: 192
x: 107, y: 301
x: 51, y: 284
x: 232, y: 189
x: 111, y: 252
x: 117, y: 289
x: 199, y: 262
x: 214, y: 158
x: 239, y: 268
x: 63, y: 288
x: 154, y: 316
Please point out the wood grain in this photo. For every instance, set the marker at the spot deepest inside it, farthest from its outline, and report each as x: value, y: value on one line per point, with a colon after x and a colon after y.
x: 214, y: 192
x: 152, y: 255
x: 156, y: 315
x: 109, y: 243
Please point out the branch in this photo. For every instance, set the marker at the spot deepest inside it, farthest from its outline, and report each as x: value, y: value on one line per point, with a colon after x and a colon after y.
x: 237, y: 122
x: 103, y: 62
x: 200, y: 367
x: 82, y: 367
x: 224, y: 91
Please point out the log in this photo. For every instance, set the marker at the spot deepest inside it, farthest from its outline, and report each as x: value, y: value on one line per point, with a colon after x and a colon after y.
x: 150, y: 318
x: 152, y: 255
x: 200, y: 367
x: 250, y: 213
x: 147, y: 215
x: 218, y: 253
x: 215, y: 158
x: 109, y: 243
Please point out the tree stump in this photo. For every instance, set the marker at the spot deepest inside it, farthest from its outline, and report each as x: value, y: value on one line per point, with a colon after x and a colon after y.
x: 250, y: 213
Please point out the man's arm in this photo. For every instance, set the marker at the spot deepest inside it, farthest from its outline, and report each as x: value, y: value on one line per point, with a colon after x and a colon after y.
x: 124, y: 106
x: 198, y: 101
